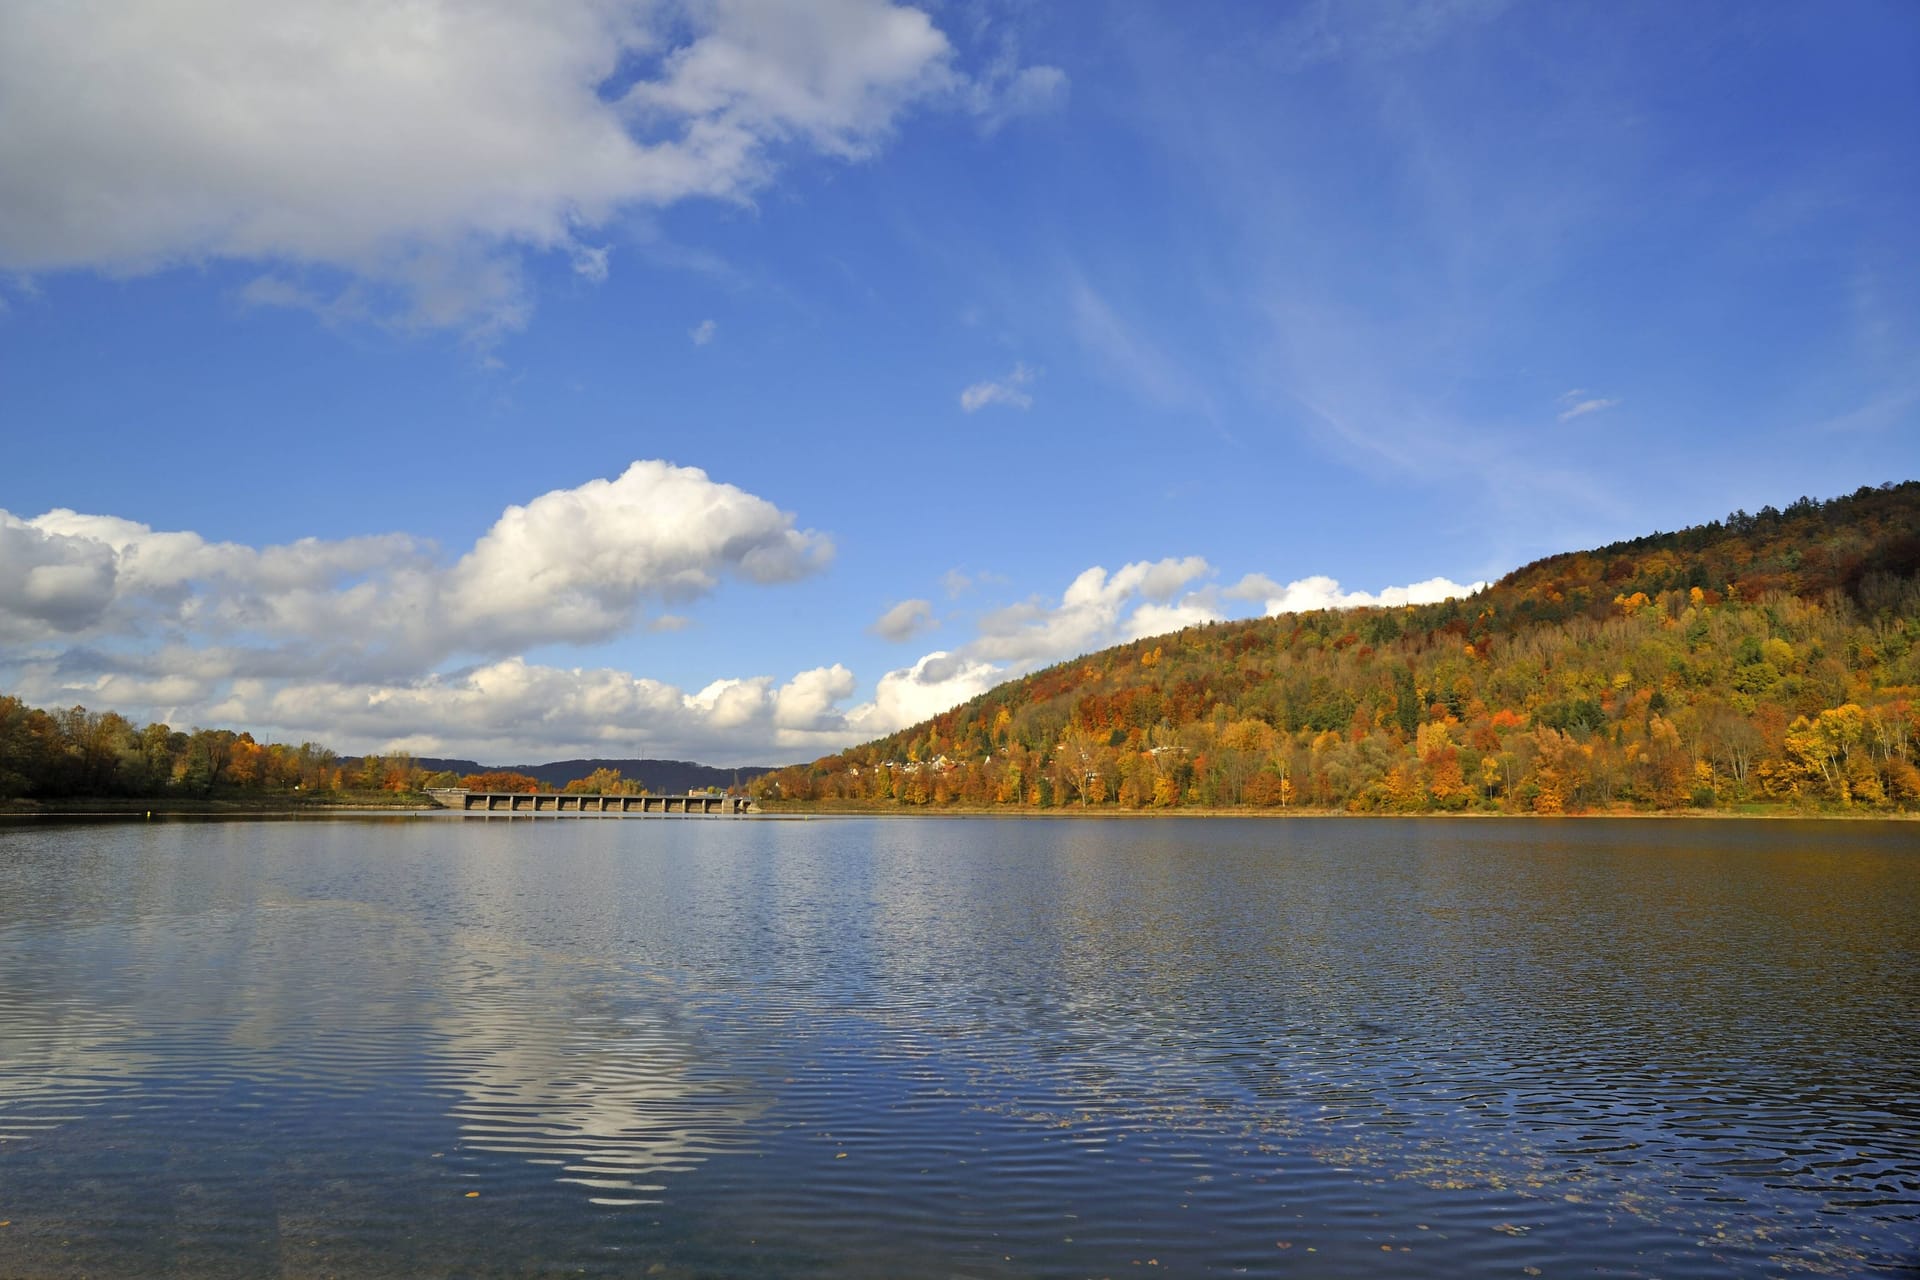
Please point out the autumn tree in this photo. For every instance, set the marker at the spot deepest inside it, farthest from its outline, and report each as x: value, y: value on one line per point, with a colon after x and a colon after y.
x: 605, y: 782
x: 501, y: 780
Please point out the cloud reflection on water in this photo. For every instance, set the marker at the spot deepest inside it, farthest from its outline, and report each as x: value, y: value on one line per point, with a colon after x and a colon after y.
x: 602, y: 1083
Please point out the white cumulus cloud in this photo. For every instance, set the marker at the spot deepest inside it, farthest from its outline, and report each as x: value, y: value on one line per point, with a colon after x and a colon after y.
x: 1098, y: 608
x: 67, y: 573
x: 1304, y: 595
x: 1089, y: 613
x: 936, y: 683
x: 508, y: 709
x: 905, y: 620
x: 810, y: 701
x: 51, y: 582
x: 573, y: 565
x: 401, y: 158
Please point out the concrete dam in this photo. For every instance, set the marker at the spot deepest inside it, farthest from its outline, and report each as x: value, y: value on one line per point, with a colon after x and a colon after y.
x: 592, y: 806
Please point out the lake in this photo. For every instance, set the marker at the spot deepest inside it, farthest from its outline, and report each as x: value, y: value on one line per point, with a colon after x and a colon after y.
x: 434, y: 1046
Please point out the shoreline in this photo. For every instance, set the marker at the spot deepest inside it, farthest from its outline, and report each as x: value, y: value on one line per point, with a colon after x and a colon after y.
x: 175, y: 807
x: 122, y: 807
x: 1770, y: 814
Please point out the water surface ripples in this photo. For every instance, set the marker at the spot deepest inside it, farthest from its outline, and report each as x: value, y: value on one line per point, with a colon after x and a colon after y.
x: 952, y: 1047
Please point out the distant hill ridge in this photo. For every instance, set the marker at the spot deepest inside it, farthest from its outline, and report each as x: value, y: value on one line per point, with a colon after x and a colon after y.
x: 658, y: 775
x: 1771, y: 658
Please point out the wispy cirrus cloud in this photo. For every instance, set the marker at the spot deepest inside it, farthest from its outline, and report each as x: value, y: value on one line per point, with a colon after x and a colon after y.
x: 1578, y: 404
x: 1378, y: 30
x: 1009, y: 390
x: 1127, y: 350
x: 1006, y: 89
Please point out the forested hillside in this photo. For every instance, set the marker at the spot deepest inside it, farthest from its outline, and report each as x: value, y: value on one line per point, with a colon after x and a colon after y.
x: 660, y: 776
x: 1763, y: 659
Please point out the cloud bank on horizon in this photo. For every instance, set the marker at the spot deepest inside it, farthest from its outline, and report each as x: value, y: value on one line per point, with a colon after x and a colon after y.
x: 377, y: 643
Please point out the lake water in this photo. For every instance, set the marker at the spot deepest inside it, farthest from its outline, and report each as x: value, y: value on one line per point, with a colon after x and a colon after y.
x: 996, y: 1047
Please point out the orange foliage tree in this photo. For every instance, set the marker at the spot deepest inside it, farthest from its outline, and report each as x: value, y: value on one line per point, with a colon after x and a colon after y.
x: 502, y: 781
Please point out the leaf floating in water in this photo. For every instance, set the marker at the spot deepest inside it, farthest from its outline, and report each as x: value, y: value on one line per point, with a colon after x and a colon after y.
x: 1509, y: 1229
x: 472, y: 1194
x: 840, y: 1156
x: 1532, y: 1271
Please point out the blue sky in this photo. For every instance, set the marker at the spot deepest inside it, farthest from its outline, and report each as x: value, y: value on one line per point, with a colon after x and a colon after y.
x: 999, y: 333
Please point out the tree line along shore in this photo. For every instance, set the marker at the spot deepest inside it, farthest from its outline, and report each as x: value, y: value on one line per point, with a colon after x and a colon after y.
x: 80, y: 761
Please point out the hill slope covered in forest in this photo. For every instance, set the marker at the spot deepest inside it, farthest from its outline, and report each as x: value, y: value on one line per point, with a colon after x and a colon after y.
x: 1766, y: 658
x: 649, y: 774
